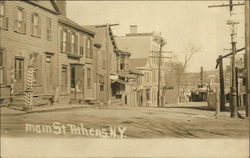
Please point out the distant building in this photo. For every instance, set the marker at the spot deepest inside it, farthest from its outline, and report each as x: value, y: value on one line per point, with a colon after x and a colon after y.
x: 143, y: 47
x: 112, y: 67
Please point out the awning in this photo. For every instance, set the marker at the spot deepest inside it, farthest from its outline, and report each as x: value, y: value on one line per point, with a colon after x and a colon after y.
x: 121, y: 81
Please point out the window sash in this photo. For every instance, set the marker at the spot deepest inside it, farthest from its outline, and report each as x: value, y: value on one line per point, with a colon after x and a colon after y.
x: 2, y: 10
x: 36, y: 30
x: 20, y: 25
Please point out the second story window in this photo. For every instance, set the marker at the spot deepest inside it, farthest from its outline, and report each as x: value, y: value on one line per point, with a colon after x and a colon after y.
x: 122, y: 63
x: 81, y: 45
x: 63, y: 40
x: 48, y: 28
x: 20, y: 23
x: 3, y: 16
x: 36, y: 29
x: 74, y: 40
x: 89, y: 51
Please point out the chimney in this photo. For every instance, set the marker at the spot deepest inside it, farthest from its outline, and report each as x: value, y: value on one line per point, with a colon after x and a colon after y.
x: 133, y: 28
x: 202, y: 75
x: 61, y: 4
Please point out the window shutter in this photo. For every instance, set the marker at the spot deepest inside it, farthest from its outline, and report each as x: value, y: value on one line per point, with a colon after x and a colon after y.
x: 39, y: 26
x: 68, y: 42
x: 15, y: 18
x: 61, y: 40
x: 76, y: 45
x: 86, y: 46
x: 24, y: 22
x: 32, y: 24
x: 91, y: 48
x: 39, y: 70
x: 6, y: 23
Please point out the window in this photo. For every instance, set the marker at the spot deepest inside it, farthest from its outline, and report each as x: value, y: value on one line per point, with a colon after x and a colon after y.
x: 64, y: 88
x: 49, y: 73
x: 20, y: 24
x: 81, y: 45
x: 49, y: 26
x: 74, y: 40
x: 37, y: 68
x: 73, y: 77
x: 122, y: 63
x: 89, y: 52
x: 63, y: 41
x: 3, y: 16
x: 19, y: 66
x: 88, y: 78
x: 36, y: 29
x: 101, y: 87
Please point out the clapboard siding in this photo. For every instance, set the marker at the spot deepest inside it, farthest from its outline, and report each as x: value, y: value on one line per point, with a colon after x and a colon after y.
x: 86, y: 62
x: 22, y: 45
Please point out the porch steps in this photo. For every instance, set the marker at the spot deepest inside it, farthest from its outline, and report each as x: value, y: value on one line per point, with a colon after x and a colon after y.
x: 18, y: 101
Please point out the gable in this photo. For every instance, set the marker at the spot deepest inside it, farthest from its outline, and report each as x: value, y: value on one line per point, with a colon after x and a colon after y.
x: 49, y: 5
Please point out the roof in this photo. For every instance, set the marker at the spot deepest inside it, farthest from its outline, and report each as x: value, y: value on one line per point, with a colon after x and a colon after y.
x: 139, y: 34
x: 138, y: 62
x: 100, y: 32
x: 123, y: 52
x: 71, y: 23
x: 57, y: 11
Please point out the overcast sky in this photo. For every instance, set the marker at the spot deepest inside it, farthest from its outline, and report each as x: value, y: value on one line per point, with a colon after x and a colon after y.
x: 180, y: 22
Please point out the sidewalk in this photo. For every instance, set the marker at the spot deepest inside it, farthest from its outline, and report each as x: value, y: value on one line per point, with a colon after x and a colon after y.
x: 46, y: 108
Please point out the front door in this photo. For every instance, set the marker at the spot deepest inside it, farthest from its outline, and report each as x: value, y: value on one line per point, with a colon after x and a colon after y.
x: 49, y: 74
x: 19, y: 76
x: 77, y: 82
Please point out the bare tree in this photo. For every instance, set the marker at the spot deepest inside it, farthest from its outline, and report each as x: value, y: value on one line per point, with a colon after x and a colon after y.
x: 180, y: 67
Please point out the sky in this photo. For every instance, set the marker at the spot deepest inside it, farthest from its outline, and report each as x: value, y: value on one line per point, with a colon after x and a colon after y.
x: 180, y: 23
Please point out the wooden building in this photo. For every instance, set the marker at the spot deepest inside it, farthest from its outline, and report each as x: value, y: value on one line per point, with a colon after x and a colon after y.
x: 28, y: 35
x: 75, y: 61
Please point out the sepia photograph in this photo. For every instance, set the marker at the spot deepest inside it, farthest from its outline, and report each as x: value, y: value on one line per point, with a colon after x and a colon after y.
x: 124, y: 78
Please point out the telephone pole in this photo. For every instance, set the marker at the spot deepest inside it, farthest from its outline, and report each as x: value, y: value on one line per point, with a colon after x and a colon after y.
x: 233, y: 89
x: 247, y: 62
x: 159, y: 74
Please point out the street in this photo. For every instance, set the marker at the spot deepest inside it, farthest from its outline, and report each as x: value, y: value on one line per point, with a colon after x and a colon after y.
x: 134, y: 122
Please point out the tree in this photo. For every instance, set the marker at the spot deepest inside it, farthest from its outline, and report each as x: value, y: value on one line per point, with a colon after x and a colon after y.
x: 179, y: 67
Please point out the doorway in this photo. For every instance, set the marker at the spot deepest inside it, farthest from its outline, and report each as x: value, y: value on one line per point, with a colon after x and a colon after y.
x: 19, y: 76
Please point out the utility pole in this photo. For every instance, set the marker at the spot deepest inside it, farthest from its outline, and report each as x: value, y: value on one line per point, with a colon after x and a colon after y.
x: 233, y: 88
x: 222, y: 90
x: 233, y: 35
x: 159, y: 74
x: 247, y: 62
x: 162, y: 43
